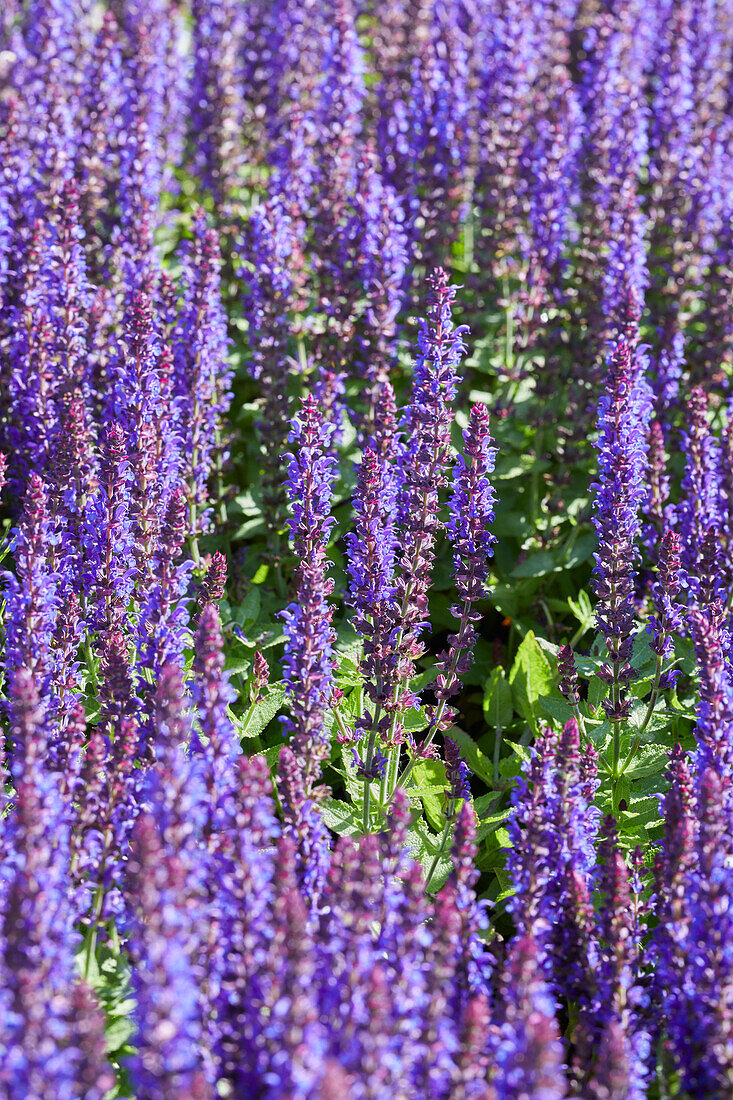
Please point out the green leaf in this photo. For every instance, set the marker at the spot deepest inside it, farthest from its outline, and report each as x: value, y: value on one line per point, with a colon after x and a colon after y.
x: 425, y: 846
x: 531, y: 678
x: 582, y: 551
x: 538, y: 564
x: 248, y: 610
x: 484, y: 802
x: 119, y: 1031
x: 491, y: 824
x: 582, y: 608
x: 341, y: 817
x: 559, y: 709
x: 648, y: 760
x: 622, y: 794
x: 262, y: 713
x: 597, y: 690
x: 498, y: 710
x: 430, y: 783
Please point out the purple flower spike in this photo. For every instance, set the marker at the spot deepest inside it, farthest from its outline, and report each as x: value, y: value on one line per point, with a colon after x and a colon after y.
x: 40, y: 1037
x: 308, y: 661
x: 715, y: 712
x: 304, y: 824
x: 457, y: 772
x: 422, y: 471
x: 623, y: 417
x: 698, y: 1006
x: 202, y: 375
x: 698, y: 514
x: 370, y: 549
x: 471, y: 515
x: 32, y: 597
x: 168, y: 1059
x: 667, y: 619
x: 108, y: 535
x: 528, y: 1052
x: 214, y: 582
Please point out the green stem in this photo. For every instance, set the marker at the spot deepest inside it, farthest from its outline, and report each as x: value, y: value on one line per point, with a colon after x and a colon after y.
x: 247, y: 718
x: 497, y: 753
x: 371, y: 745
x: 443, y: 843
x: 90, y: 661
x: 433, y: 729
x: 647, y: 717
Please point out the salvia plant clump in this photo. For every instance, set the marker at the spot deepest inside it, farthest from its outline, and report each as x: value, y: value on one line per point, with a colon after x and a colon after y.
x: 366, y: 459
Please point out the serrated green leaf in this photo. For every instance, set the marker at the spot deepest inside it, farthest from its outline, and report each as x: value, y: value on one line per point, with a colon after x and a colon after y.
x: 261, y: 714
x: 531, y: 677
x: 341, y: 817
x: 648, y: 760
x: 559, y: 709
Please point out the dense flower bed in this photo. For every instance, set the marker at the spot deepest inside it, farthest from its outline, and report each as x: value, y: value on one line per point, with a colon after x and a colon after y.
x: 366, y: 455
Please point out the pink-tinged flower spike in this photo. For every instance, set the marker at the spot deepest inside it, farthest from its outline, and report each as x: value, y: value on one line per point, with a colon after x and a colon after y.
x: 473, y: 1058
x: 214, y: 582
x: 168, y: 872
x: 32, y: 379
x: 290, y: 1058
x: 699, y: 1012
x: 672, y: 864
x: 304, y: 823
x: 72, y: 481
x: 309, y: 636
x: 621, y: 1041
x: 40, y: 1034
x: 714, y: 730
x: 215, y: 738
x: 527, y: 1050
x: 101, y: 100
x: 202, y: 377
x: 624, y: 412
x: 215, y: 97
x: 260, y: 677
x: 370, y: 553
x: 658, y: 496
x: 568, y: 670
x: 32, y: 598
x: 168, y: 1062
x: 552, y: 862
x: 422, y: 472
x: 474, y: 961
x: 667, y: 619
x: 383, y: 260
x: 163, y: 616
x: 271, y: 253
x: 699, y: 519
x: 471, y: 515
x: 136, y: 255
x: 108, y: 536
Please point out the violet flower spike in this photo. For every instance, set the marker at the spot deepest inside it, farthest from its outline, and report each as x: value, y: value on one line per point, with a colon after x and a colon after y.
x: 623, y: 416
x: 308, y: 662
